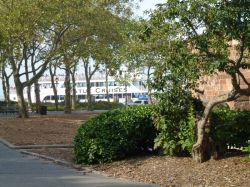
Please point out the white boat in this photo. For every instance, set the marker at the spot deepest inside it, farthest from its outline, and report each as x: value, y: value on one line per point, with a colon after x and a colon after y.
x: 117, y: 92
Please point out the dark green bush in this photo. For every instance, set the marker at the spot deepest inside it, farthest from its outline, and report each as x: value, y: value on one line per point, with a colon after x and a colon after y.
x: 230, y: 128
x: 101, y: 105
x: 176, y: 131
x: 175, y: 121
x: 114, y: 135
x: 247, y: 150
x: 11, y: 103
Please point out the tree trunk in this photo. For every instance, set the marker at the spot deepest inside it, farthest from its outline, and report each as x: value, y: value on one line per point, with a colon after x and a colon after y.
x: 202, y: 149
x: 37, y: 89
x: 74, y: 90
x: 20, y: 98
x: 6, y: 85
x: 38, y: 100
x: 54, y: 86
x: 107, y: 84
x: 148, y: 85
x: 29, y: 97
x: 67, y: 107
x: 89, y: 99
x: 27, y: 77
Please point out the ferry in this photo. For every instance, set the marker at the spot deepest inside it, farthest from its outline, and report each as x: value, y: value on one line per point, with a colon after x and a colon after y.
x: 133, y: 90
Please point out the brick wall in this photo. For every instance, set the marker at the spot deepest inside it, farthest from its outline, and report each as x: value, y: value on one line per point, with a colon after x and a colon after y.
x: 219, y: 84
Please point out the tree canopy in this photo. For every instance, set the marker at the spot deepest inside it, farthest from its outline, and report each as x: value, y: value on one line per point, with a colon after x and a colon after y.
x: 194, y: 39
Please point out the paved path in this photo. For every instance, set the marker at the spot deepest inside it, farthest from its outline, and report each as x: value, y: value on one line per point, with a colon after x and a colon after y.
x: 17, y: 170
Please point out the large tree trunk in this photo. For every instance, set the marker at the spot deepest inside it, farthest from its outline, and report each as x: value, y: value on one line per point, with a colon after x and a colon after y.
x: 148, y: 85
x: 107, y: 84
x: 67, y: 107
x: 89, y: 99
x: 38, y: 100
x: 37, y: 89
x: 6, y: 85
x: 202, y: 149
x: 23, y: 113
x: 54, y: 86
x: 27, y: 77
x: 73, y: 90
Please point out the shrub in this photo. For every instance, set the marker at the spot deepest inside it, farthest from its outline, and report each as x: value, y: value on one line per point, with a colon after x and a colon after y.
x: 101, y: 105
x: 175, y: 121
x: 230, y: 128
x: 175, y: 133
x: 114, y: 135
x: 247, y: 150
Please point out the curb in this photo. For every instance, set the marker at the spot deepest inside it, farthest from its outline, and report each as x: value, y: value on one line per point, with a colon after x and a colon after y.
x: 10, y: 145
x: 82, y: 169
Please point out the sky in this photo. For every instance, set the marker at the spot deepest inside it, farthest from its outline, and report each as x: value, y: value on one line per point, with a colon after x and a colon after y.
x: 143, y: 6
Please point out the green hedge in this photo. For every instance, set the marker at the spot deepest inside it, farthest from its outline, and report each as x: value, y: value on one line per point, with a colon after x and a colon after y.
x: 101, y: 105
x: 114, y: 135
x: 230, y: 128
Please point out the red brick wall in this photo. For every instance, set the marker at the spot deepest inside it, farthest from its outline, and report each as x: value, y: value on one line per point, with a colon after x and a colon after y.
x: 219, y: 84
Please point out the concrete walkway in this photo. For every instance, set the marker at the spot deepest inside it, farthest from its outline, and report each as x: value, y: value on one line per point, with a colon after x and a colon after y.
x: 17, y: 170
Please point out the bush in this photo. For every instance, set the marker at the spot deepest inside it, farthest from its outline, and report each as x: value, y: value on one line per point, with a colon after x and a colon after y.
x: 230, y: 128
x: 176, y: 132
x: 11, y: 103
x: 101, y: 105
x: 247, y: 150
x: 175, y: 121
x: 114, y: 135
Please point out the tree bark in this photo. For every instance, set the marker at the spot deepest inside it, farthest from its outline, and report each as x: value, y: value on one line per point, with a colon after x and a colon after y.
x: 67, y: 107
x: 148, y: 85
x: 37, y: 94
x: 20, y: 98
x: 107, y: 84
x: 54, y: 86
x: 73, y: 90
x: 202, y: 149
x: 6, y: 84
x: 88, y: 76
x: 73, y: 72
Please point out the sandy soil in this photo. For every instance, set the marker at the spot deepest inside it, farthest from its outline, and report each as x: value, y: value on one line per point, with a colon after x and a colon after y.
x: 162, y: 170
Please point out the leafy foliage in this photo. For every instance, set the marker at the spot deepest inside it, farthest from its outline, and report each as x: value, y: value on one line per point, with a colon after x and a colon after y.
x: 229, y: 127
x: 101, y: 105
x: 247, y: 150
x: 174, y: 119
x: 114, y: 135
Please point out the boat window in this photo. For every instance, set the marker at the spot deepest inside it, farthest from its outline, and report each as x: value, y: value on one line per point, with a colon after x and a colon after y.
x: 99, y: 84
x: 47, y: 98
x: 80, y: 84
x: 100, y: 96
x: 92, y: 84
x: 135, y: 95
x: 81, y: 97
x: 61, y: 97
x: 111, y: 83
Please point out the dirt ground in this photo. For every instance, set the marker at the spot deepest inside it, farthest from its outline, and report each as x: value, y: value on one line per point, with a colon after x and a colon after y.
x: 163, y: 170
x: 47, y: 129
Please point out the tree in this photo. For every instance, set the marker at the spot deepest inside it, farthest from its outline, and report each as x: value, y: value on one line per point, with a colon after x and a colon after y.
x: 54, y: 80
x: 193, y: 39
x: 136, y: 52
x: 43, y: 26
x: 96, y: 43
